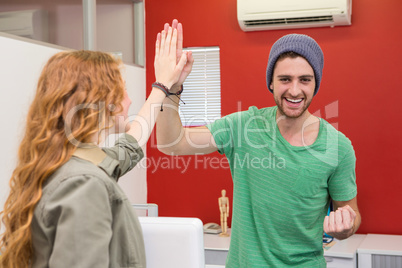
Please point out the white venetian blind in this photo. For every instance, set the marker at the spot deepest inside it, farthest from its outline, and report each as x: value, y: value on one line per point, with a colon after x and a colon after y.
x: 202, y: 89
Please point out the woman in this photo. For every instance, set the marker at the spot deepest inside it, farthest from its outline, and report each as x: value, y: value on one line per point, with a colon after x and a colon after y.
x: 65, y: 208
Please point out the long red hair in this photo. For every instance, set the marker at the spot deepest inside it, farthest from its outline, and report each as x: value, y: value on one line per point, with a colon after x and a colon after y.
x: 55, y: 126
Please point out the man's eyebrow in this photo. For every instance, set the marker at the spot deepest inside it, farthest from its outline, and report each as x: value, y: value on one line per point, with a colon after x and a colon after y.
x: 301, y: 76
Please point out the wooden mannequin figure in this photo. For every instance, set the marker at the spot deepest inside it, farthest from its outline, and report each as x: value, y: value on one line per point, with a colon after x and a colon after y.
x: 224, y: 209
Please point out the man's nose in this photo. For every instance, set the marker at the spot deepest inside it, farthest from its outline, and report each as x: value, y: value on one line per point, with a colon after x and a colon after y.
x: 294, y: 88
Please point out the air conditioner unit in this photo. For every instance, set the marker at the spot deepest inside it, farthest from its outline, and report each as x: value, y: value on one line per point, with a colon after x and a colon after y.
x: 27, y: 23
x: 259, y: 15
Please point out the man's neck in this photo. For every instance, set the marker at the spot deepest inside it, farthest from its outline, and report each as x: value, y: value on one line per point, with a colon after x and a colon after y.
x: 300, y: 131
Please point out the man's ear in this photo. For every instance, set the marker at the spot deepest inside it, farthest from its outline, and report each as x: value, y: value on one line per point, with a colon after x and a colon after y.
x: 271, y: 87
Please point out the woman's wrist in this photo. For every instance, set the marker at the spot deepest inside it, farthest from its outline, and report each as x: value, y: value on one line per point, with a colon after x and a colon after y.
x: 164, y: 88
x: 158, y: 92
x: 174, y: 90
x: 159, y: 89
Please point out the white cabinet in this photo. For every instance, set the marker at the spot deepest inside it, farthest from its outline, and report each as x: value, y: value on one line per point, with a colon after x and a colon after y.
x: 380, y: 251
x: 216, y: 249
x: 343, y: 253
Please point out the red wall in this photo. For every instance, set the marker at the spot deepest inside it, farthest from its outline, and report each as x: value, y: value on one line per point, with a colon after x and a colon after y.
x: 362, y: 72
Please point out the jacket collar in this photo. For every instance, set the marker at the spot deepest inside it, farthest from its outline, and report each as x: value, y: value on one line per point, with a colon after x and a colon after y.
x: 99, y: 158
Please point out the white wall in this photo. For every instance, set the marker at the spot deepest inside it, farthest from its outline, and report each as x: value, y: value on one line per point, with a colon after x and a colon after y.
x: 21, y: 61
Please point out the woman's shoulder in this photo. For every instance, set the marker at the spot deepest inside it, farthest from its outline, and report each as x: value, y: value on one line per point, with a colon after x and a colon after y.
x: 76, y: 175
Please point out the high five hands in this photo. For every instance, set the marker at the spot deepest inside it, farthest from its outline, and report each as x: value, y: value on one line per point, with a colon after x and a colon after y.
x: 168, y: 67
x: 340, y: 223
x: 170, y: 42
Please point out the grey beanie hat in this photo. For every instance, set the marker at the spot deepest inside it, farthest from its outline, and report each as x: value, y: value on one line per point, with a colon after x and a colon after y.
x: 303, y: 45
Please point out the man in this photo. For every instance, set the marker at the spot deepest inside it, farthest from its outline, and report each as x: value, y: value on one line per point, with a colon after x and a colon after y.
x: 280, y: 209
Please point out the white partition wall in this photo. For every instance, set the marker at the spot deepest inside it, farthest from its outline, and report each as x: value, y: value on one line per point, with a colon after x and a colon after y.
x: 21, y: 61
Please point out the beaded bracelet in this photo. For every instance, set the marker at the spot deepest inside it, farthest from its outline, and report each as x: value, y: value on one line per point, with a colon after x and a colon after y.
x: 167, y: 92
x: 162, y: 87
x: 178, y: 92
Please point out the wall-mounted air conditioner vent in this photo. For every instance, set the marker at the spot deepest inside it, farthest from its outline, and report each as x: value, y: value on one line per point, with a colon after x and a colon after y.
x: 318, y: 19
x: 257, y: 15
x: 26, y: 23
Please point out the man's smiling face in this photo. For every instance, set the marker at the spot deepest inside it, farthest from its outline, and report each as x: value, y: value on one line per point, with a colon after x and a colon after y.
x: 293, y: 85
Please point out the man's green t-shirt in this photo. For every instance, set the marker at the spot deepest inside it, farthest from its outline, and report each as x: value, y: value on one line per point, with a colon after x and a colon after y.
x: 281, y: 192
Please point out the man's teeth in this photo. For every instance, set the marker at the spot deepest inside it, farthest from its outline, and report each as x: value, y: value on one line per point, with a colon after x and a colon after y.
x: 294, y: 100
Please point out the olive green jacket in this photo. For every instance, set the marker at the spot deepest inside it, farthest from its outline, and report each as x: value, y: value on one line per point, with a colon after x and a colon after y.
x: 84, y: 219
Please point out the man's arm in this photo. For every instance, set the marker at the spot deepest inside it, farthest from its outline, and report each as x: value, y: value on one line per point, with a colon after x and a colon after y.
x: 172, y: 137
x: 168, y: 68
x: 344, y: 220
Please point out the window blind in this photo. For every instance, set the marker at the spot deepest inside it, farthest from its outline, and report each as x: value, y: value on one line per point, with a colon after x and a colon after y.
x: 202, y: 88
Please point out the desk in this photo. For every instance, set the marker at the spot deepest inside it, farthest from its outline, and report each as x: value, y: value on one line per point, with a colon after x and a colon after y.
x: 341, y: 255
x: 216, y: 249
x: 380, y: 251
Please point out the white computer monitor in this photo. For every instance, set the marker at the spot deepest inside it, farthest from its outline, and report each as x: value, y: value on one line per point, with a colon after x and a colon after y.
x: 173, y: 242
